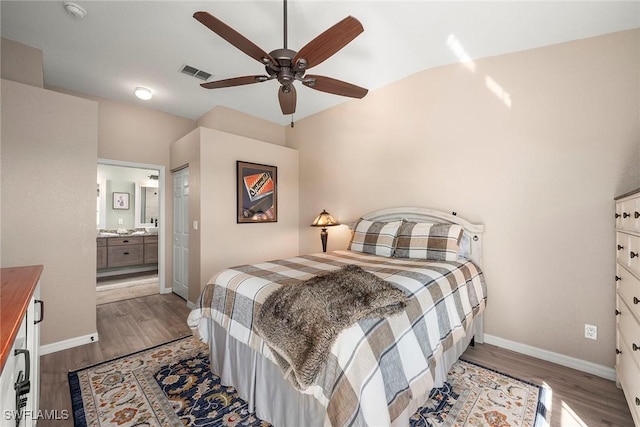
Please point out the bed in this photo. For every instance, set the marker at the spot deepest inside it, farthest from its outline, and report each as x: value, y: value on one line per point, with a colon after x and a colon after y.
x: 379, y: 371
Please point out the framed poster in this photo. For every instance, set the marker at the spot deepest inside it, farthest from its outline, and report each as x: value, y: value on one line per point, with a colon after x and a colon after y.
x: 120, y: 200
x: 257, y: 193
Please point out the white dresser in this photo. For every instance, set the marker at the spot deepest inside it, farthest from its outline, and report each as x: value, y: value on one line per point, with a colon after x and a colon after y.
x: 628, y: 298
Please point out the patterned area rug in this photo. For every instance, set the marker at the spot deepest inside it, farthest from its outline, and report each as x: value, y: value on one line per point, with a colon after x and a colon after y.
x: 172, y: 385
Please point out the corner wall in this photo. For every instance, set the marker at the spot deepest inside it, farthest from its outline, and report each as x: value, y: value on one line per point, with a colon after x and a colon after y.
x: 219, y: 241
x: 237, y: 123
x: 21, y: 63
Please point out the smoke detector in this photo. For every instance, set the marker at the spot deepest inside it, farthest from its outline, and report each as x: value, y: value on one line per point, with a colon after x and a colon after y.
x: 74, y: 10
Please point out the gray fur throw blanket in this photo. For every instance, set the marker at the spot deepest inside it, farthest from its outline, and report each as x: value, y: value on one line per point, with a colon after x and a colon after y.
x: 300, y: 322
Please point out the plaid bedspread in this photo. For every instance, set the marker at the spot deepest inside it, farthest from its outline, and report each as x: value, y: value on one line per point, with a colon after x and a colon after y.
x: 376, y: 365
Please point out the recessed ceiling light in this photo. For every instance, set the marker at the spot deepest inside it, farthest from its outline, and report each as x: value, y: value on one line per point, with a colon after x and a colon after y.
x: 143, y: 93
x: 74, y: 10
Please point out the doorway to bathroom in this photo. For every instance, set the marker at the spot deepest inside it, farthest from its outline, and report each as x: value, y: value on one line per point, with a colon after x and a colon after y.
x: 130, y: 213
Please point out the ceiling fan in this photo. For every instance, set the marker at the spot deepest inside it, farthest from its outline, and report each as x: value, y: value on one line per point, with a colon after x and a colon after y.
x: 287, y: 65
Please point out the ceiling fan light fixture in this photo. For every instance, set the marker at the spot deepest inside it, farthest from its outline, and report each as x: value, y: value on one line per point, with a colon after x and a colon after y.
x: 287, y: 65
x: 143, y: 93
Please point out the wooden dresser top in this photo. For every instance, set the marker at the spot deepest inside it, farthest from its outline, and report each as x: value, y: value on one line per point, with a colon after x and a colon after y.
x: 16, y: 289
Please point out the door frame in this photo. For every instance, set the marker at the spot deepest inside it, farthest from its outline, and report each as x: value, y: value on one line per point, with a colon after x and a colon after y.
x: 162, y: 287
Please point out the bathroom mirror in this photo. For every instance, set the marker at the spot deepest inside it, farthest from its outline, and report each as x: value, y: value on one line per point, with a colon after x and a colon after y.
x: 147, y: 205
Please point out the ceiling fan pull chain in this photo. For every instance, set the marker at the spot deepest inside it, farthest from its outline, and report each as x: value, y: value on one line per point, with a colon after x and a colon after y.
x: 292, y: 120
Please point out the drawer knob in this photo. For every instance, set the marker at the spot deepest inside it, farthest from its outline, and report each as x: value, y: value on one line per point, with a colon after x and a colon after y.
x: 633, y: 254
x: 618, y: 312
x: 635, y: 347
x: 625, y: 215
x: 636, y: 215
x: 617, y: 215
x: 125, y: 241
x: 618, y: 278
x: 618, y: 351
x: 636, y: 300
x: 125, y: 253
x: 620, y: 247
x: 637, y: 402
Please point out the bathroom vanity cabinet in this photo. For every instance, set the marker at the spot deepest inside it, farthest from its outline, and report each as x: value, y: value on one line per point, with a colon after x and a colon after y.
x: 127, y: 251
x: 151, y: 249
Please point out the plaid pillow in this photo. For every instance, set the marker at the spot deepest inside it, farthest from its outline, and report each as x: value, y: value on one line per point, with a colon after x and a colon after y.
x: 374, y: 237
x: 438, y: 242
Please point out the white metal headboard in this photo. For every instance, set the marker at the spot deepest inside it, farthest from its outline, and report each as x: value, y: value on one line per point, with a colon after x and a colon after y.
x: 473, y: 232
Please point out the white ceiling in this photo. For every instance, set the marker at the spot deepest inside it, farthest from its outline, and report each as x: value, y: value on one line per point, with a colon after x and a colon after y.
x: 123, y: 44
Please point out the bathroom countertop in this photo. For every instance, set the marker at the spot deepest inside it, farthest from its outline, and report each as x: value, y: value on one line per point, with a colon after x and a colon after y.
x: 131, y: 233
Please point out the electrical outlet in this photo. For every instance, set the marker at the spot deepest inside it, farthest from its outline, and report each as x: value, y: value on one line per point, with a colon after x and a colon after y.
x: 590, y: 331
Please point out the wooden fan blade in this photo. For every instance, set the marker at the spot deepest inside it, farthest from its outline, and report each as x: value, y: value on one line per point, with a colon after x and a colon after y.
x: 236, y: 81
x: 329, y: 42
x: 287, y: 99
x: 337, y: 87
x: 234, y: 37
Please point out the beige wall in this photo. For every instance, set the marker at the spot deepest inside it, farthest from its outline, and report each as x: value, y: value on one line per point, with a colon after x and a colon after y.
x: 537, y: 156
x: 211, y: 155
x: 224, y: 242
x: 49, y: 151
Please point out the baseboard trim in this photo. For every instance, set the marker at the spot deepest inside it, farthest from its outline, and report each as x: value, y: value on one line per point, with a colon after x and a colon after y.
x: 550, y: 356
x: 66, y: 344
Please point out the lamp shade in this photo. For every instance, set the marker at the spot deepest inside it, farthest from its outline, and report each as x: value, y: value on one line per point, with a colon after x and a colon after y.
x: 324, y: 220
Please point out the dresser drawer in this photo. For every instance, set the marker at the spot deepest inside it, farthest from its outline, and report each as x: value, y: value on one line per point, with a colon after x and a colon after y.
x: 622, y: 248
x: 121, y: 256
x: 629, y: 332
x: 629, y: 375
x: 629, y: 290
x: 628, y: 251
x: 628, y: 214
x: 120, y: 241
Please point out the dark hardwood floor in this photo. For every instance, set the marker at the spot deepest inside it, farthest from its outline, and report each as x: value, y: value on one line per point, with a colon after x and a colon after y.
x: 578, y: 399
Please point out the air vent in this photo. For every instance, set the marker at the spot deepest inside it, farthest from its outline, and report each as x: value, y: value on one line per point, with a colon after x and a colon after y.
x: 194, y: 72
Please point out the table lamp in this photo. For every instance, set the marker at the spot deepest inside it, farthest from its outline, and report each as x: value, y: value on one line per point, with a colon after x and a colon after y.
x: 324, y: 220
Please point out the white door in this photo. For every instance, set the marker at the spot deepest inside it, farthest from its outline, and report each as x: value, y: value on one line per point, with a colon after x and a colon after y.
x: 180, y: 283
